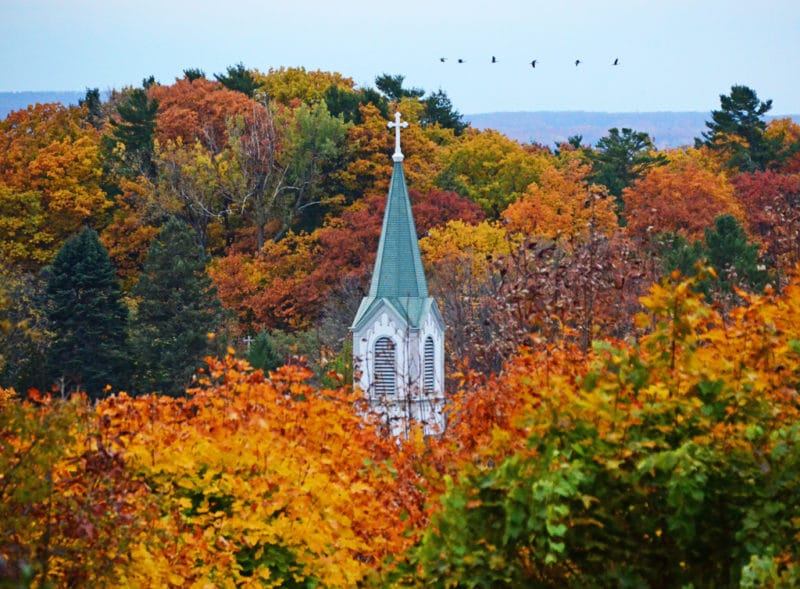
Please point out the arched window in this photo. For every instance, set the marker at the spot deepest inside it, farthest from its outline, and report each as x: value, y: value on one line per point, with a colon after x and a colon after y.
x: 429, y: 366
x: 385, y: 367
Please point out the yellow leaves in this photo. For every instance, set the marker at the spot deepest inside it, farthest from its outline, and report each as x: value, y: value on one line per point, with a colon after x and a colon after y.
x: 249, y: 465
x: 289, y: 84
x: 467, y: 248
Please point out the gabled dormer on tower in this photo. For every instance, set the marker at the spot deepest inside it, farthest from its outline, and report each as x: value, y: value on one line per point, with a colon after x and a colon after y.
x: 398, y: 332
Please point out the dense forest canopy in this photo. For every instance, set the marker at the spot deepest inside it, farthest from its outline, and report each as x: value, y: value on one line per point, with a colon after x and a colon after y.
x: 622, y: 348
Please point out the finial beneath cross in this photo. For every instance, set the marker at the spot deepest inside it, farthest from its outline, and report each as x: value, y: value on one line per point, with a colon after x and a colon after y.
x: 398, y: 155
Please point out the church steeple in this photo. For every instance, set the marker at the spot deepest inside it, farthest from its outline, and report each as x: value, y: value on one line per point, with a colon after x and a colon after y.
x: 398, y: 273
x: 398, y: 333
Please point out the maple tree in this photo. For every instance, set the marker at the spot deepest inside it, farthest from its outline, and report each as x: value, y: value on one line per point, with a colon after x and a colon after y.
x: 489, y: 169
x: 562, y: 206
x: 50, y: 181
x: 770, y: 202
x: 458, y: 261
x: 682, y: 196
x: 197, y: 110
x: 286, y: 286
x: 785, y: 135
x: 369, y: 167
x: 188, y: 187
x: 21, y: 221
x: 274, y: 163
x: 289, y: 85
x: 586, y: 443
x: 69, y: 506
x: 134, y: 223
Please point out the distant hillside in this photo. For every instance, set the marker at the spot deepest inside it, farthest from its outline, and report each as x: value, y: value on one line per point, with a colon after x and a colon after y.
x: 18, y: 100
x: 668, y: 129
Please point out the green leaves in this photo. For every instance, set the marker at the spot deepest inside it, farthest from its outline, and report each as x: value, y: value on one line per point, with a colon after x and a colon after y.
x: 667, y: 462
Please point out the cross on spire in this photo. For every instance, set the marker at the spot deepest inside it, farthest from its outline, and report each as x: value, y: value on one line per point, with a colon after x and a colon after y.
x: 397, y: 125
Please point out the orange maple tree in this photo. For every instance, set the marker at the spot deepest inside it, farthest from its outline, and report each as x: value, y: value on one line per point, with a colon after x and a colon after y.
x: 681, y: 197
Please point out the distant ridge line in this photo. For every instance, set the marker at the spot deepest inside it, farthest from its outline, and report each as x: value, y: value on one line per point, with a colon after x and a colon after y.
x: 669, y: 129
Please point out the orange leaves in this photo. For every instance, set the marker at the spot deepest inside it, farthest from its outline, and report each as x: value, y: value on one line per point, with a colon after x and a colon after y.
x: 67, y: 503
x: 271, y: 479
x: 682, y: 196
x: 563, y: 206
x: 770, y: 201
x: 197, y: 110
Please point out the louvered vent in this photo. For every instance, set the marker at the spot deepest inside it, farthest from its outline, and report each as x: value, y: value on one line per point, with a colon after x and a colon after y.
x: 385, y: 373
x: 428, y: 376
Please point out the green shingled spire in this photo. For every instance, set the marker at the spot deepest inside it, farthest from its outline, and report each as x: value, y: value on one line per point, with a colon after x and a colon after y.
x: 398, y: 267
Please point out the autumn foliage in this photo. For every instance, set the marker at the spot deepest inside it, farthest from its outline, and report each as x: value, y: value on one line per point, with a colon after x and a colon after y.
x: 610, y: 422
x: 683, y: 197
x: 659, y: 446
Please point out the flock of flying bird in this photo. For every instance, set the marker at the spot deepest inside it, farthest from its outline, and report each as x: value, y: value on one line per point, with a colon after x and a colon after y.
x: 533, y: 62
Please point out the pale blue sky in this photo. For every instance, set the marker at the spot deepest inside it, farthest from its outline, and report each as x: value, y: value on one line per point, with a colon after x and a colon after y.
x: 674, y: 55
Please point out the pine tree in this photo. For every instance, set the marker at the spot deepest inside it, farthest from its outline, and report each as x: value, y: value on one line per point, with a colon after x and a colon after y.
x: 724, y: 248
x: 135, y: 131
x: 87, y: 318
x: 622, y: 157
x: 239, y: 79
x: 177, y: 310
x: 734, y: 259
x: 262, y: 353
x: 738, y: 129
x: 439, y: 110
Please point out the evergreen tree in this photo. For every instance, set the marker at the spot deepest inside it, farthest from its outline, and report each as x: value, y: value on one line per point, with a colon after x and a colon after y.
x: 676, y: 253
x: 94, y: 108
x: 725, y: 249
x: 392, y: 87
x: 439, y: 110
x: 177, y: 309
x: 238, y: 78
x: 622, y: 157
x: 262, y: 353
x: 135, y: 132
x: 738, y: 129
x: 193, y: 74
x: 87, y: 318
x: 734, y: 259
x: 345, y: 102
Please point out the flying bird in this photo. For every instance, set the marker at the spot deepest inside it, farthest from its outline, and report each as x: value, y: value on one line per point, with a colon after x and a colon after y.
x: 533, y: 63
x: 442, y: 59
x: 460, y: 60
x: 494, y: 59
x: 616, y: 61
x: 577, y: 62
